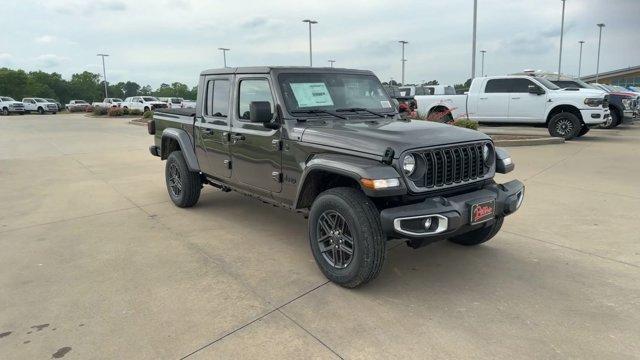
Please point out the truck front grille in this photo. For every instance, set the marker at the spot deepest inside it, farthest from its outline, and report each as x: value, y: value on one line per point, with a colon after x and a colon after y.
x: 451, y: 166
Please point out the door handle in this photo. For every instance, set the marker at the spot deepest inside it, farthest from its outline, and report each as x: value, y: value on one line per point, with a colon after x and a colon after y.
x: 483, y: 98
x: 515, y: 98
x: 207, y: 131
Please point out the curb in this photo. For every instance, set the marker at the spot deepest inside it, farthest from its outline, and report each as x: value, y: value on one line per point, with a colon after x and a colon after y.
x: 139, y: 122
x: 529, y: 142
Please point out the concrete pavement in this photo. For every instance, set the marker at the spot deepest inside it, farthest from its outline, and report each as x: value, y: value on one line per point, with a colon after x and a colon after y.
x: 95, y: 262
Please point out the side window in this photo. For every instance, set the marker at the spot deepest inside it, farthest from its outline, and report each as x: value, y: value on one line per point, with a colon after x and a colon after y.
x: 253, y: 90
x: 449, y: 90
x: 497, y: 86
x: 217, y: 98
x: 520, y: 85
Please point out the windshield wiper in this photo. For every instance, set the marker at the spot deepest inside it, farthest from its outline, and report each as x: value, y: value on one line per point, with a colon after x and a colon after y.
x: 356, y: 109
x: 318, y: 111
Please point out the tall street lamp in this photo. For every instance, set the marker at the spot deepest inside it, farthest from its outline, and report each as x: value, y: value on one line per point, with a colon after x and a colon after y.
x: 311, y: 22
x: 104, y: 74
x: 331, y: 61
x: 599, y: 43
x: 561, y: 36
x: 403, y: 59
x: 482, y: 68
x: 580, y: 58
x: 224, y: 55
x: 473, y: 46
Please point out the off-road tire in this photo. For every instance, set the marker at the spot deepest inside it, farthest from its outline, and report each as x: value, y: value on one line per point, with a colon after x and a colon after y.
x: 479, y: 236
x: 40, y: 111
x: 565, y: 125
x: 613, y: 121
x: 585, y: 129
x: 191, y: 185
x: 363, y: 221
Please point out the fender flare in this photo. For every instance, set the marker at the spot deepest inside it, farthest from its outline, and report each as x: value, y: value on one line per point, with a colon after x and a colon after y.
x: 186, y: 146
x: 352, y: 167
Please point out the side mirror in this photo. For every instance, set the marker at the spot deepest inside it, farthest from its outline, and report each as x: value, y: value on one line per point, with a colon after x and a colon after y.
x: 533, y: 89
x: 260, y: 112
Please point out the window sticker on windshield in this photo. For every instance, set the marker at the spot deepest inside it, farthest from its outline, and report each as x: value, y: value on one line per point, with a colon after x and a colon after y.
x: 385, y: 104
x: 311, y: 94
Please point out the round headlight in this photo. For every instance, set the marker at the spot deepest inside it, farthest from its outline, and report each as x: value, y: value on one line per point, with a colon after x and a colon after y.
x: 486, y: 153
x: 408, y: 164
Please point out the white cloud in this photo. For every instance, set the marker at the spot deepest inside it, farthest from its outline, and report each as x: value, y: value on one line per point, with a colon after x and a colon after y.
x: 46, y: 39
x: 50, y: 60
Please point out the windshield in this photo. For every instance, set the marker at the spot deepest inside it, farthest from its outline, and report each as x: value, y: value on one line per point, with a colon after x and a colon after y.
x: 176, y: 100
x: 548, y: 84
x: 149, y: 98
x: 333, y: 91
x: 116, y: 100
x: 571, y: 84
x: 7, y: 99
x: 40, y: 100
x: 80, y: 102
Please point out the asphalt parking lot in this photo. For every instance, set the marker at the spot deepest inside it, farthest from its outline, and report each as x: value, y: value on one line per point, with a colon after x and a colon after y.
x: 95, y: 262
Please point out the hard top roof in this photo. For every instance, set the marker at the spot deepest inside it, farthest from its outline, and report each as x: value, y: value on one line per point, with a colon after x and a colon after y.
x: 268, y: 69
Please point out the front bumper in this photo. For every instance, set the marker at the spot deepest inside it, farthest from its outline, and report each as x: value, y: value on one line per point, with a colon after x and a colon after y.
x: 595, y: 116
x: 450, y: 216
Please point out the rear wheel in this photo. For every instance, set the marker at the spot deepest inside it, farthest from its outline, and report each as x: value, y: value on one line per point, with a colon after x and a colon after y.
x: 565, y: 125
x: 183, y: 185
x: 346, y: 237
x: 479, y: 236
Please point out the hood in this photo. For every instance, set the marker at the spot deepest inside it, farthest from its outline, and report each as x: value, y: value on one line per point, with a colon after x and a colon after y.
x: 375, y: 136
x: 584, y: 91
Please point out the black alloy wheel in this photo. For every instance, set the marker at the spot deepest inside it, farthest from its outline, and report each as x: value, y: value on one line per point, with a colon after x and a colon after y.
x: 335, y: 239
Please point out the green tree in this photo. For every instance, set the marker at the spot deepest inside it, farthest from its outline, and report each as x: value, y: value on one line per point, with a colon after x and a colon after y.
x: 13, y: 83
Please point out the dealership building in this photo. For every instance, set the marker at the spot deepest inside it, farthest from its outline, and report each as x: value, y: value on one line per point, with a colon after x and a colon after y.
x: 624, y: 77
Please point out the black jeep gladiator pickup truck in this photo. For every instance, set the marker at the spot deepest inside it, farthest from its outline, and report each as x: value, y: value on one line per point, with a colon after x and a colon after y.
x: 330, y: 144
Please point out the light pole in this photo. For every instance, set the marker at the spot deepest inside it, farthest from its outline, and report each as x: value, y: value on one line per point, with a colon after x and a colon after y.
x: 331, y: 61
x: 104, y: 74
x: 482, y: 68
x: 580, y: 59
x: 403, y: 59
x: 599, y: 43
x: 311, y: 22
x: 561, y: 36
x: 224, y: 55
x: 473, y: 46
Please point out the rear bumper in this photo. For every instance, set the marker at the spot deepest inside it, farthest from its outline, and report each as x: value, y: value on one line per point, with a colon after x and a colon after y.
x: 595, y: 116
x: 450, y: 216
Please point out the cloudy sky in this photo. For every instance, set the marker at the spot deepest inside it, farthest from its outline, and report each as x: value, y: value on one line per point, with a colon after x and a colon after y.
x: 155, y: 41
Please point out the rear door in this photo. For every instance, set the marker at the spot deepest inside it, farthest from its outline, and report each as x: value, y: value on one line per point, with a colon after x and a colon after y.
x: 492, y: 102
x: 523, y: 106
x: 213, y: 126
x: 255, y: 150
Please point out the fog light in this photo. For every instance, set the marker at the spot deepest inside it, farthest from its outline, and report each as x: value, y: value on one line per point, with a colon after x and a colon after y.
x: 427, y: 223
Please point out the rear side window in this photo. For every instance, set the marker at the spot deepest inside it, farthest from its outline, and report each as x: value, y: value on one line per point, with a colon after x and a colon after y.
x: 449, y: 90
x: 253, y: 90
x: 497, y: 86
x: 217, y: 104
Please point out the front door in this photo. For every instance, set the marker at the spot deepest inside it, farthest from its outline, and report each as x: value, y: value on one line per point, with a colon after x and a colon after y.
x: 212, y: 128
x: 523, y: 106
x: 255, y: 150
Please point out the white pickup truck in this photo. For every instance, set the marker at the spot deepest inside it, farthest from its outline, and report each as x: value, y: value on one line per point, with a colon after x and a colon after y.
x: 39, y: 105
x: 8, y: 105
x: 108, y: 103
x: 143, y: 103
x: 522, y: 100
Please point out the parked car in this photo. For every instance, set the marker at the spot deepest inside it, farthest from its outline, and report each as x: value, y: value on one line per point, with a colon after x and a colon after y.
x: 8, y: 105
x: 173, y: 102
x: 108, y: 103
x: 143, y: 103
x: 39, y: 105
x: 521, y: 99
x: 620, y: 105
x: 77, y: 105
x: 58, y: 103
x: 328, y: 143
x: 189, y: 104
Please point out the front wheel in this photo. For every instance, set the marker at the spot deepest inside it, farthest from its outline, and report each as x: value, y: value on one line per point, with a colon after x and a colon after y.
x: 183, y: 185
x: 346, y: 237
x: 41, y: 111
x: 583, y: 131
x: 479, y: 236
x: 612, y: 121
x: 5, y: 112
x: 565, y: 125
